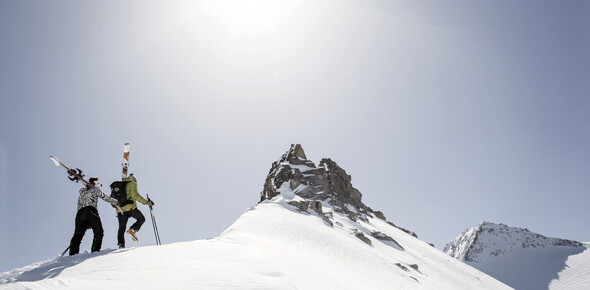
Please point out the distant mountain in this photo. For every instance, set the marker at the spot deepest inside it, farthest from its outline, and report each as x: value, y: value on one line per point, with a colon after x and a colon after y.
x: 310, y: 230
x: 521, y: 258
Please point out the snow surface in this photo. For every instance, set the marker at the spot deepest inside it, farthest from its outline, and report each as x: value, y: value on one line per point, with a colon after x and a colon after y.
x: 523, y: 259
x: 576, y: 274
x: 271, y: 246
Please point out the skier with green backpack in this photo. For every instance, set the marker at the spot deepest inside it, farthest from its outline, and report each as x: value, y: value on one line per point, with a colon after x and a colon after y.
x: 126, y: 193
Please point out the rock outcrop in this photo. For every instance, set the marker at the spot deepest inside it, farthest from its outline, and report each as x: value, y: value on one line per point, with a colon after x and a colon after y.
x: 307, y: 186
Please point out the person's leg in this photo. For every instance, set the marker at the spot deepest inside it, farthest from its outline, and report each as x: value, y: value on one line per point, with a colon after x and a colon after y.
x: 122, y: 226
x: 136, y: 214
x: 78, y: 232
x: 96, y: 225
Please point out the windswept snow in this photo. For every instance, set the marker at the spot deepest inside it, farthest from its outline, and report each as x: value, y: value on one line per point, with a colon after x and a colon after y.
x: 271, y: 246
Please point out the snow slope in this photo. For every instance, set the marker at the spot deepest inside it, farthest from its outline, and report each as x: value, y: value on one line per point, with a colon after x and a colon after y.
x: 310, y: 231
x: 576, y: 274
x: 523, y: 259
x: 271, y: 246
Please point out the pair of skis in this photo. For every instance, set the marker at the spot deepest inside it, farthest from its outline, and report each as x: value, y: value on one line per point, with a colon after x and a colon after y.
x: 75, y: 175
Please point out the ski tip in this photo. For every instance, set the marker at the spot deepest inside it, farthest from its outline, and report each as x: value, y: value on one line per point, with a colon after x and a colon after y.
x: 126, y: 147
x: 55, y: 160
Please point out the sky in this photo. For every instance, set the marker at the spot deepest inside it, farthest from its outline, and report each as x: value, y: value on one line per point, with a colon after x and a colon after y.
x: 462, y: 111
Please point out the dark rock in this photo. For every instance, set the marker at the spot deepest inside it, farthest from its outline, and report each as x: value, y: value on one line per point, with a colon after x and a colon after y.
x: 300, y: 205
x: 286, y: 170
x: 316, y: 206
x: 383, y: 237
x: 379, y: 215
x: 296, y: 156
x: 339, y: 181
x: 402, y: 267
x: 404, y: 230
x: 363, y: 218
x: 362, y: 237
x: 282, y: 171
x: 327, y: 221
x: 294, y: 183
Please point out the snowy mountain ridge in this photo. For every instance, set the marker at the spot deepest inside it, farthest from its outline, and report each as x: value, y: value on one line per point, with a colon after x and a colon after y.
x: 309, y: 231
x: 491, y: 240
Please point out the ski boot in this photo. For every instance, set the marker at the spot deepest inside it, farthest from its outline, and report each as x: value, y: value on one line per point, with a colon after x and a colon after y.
x: 133, y: 234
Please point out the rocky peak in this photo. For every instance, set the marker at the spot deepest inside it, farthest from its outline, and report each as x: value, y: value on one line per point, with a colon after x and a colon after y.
x: 297, y: 171
x: 305, y: 186
x: 296, y: 155
x: 489, y: 240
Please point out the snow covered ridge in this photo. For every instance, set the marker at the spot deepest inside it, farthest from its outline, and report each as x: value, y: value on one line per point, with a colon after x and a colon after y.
x: 307, y: 187
x: 309, y: 231
x: 271, y: 246
x: 523, y: 259
x: 491, y: 240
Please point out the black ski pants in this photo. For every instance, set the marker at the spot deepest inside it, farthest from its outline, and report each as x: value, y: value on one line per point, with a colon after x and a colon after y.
x: 134, y: 213
x: 87, y: 218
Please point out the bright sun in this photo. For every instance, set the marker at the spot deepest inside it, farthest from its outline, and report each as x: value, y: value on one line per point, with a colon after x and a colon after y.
x: 252, y: 17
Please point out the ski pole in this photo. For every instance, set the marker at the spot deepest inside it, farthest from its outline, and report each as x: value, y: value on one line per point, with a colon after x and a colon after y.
x: 156, y: 232
x: 64, y: 252
x: 154, y: 225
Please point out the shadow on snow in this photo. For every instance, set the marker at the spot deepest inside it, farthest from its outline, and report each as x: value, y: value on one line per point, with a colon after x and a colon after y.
x: 541, y: 269
x: 51, y: 268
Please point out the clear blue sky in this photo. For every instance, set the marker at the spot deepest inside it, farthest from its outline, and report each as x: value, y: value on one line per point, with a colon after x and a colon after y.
x: 445, y: 114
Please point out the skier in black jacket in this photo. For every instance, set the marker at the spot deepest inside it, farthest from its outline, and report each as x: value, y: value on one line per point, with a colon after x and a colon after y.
x: 87, y: 216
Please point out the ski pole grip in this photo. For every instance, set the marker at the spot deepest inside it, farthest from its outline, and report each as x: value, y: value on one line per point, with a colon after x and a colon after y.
x: 149, y: 199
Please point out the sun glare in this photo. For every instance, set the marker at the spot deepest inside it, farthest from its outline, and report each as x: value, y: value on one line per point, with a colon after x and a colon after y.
x: 253, y: 17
